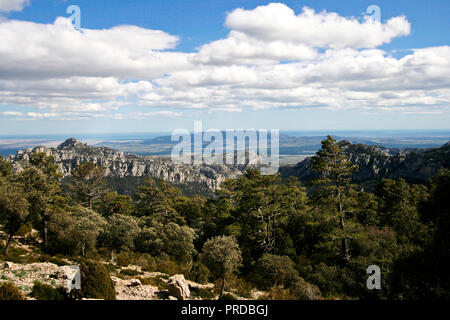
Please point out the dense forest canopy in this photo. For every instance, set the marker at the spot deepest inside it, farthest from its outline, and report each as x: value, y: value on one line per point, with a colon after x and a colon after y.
x: 258, y: 231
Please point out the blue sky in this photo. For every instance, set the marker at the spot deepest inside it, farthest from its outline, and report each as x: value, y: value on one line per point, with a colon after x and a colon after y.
x: 412, y: 93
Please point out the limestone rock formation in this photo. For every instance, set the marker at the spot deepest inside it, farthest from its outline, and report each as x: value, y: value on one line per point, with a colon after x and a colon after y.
x: 118, y: 164
x: 24, y: 275
x: 133, y: 290
x: 178, y: 287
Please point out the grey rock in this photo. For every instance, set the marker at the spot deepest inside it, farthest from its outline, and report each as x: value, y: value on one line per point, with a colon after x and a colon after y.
x: 118, y: 164
x: 178, y: 287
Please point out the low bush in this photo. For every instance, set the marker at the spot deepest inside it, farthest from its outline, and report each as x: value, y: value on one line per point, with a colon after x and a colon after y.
x: 165, y: 265
x: 227, y: 296
x: 24, y: 229
x: 124, y: 259
x: 52, y: 259
x: 278, y: 293
x: 199, y: 273
x: 239, y: 286
x: 130, y: 272
x: 96, y: 282
x: 8, y: 291
x: 17, y: 255
x: 303, y: 290
x: 273, y: 270
x: 42, y: 291
x: 110, y: 267
x: 157, y: 282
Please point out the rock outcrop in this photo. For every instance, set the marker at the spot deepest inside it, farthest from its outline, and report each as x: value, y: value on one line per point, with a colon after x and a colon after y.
x: 118, y: 164
x: 178, y: 287
x: 133, y: 290
x: 24, y: 275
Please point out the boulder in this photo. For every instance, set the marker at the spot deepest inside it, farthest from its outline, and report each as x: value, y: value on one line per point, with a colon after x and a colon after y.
x: 178, y: 287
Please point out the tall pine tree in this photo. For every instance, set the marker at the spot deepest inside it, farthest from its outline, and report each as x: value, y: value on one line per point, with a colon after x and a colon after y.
x: 334, y: 190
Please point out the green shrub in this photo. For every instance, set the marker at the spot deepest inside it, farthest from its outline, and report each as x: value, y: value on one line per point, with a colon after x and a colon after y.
x: 239, y: 286
x: 227, y: 296
x: 42, y: 291
x: 165, y: 265
x: 278, y: 293
x: 303, y: 290
x: 52, y: 259
x: 142, y: 259
x: 149, y: 268
x: 273, y: 270
x: 96, y: 282
x: 124, y: 259
x: 130, y: 272
x: 110, y: 267
x: 104, y: 253
x: 199, y: 273
x: 327, y: 278
x: 157, y: 282
x: 16, y: 255
x: 19, y: 274
x: 24, y: 229
x: 170, y: 267
x: 8, y: 291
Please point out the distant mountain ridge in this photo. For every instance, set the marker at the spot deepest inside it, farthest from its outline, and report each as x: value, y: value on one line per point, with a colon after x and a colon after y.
x: 289, y: 144
x: 374, y: 162
x: 71, y: 153
x: 377, y: 162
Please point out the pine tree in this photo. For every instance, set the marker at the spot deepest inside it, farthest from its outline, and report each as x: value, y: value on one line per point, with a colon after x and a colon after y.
x: 334, y: 188
x: 158, y: 200
x: 5, y: 168
x: 42, y: 187
x: 87, y: 184
x: 14, y: 208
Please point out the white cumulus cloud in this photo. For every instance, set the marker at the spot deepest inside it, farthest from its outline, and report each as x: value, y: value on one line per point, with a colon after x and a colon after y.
x: 13, y: 5
x: 277, y: 21
x: 271, y: 58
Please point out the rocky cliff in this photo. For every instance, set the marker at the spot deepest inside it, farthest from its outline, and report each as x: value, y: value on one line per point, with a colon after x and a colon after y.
x: 374, y: 162
x: 118, y: 164
x: 377, y: 162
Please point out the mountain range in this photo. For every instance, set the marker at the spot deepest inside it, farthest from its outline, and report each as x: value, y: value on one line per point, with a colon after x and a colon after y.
x: 118, y: 164
x: 374, y: 163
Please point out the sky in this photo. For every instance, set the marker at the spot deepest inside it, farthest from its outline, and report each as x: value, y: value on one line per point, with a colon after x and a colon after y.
x: 158, y: 65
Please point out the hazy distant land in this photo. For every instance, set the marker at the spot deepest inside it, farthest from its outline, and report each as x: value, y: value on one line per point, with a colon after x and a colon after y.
x: 294, y: 145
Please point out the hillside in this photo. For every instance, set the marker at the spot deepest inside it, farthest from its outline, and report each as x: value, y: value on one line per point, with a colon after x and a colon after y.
x: 119, y: 164
x: 377, y: 162
x: 374, y: 162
